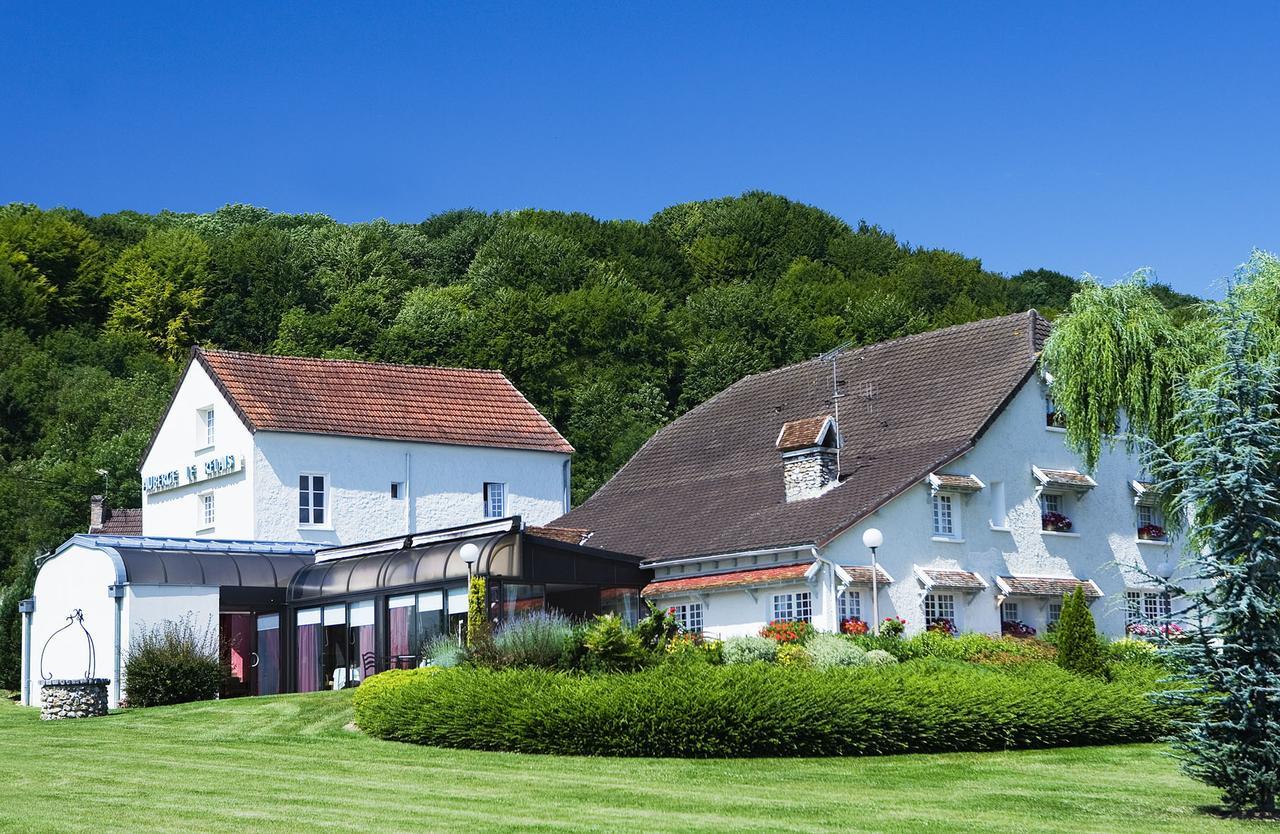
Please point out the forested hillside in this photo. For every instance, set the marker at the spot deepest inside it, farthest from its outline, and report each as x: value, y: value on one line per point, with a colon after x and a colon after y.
x: 610, y: 327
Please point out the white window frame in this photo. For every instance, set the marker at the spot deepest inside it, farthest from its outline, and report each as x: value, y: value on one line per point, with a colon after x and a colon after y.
x: 690, y: 616
x: 205, y: 427
x: 1147, y: 607
x: 1053, y: 613
x: 951, y: 503
x: 794, y: 607
x: 1009, y: 612
x: 1056, y: 497
x: 937, y: 604
x: 397, y: 490
x: 206, y: 511
x: 849, y: 605
x: 326, y: 521
x: 488, y: 499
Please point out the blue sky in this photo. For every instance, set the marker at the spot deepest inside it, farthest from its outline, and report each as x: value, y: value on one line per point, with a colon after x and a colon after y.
x: 1076, y: 137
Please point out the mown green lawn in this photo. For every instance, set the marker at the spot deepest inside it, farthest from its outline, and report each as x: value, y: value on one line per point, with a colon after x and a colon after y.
x: 287, y: 764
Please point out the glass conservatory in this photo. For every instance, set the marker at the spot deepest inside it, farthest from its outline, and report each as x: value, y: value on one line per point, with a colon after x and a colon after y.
x: 364, y: 608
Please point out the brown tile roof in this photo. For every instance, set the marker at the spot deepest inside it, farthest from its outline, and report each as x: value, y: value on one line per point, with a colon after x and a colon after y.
x: 801, y: 434
x: 960, y: 579
x: 1064, y: 478
x: 961, y: 483
x: 121, y: 523
x: 570, y: 535
x: 737, y: 579
x: 369, y: 399
x: 861, y: 574
x: 1046, y: 586
x: 711, y: 481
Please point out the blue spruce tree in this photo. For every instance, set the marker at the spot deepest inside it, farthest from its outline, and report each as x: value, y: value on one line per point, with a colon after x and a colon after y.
x: 1222, y: 479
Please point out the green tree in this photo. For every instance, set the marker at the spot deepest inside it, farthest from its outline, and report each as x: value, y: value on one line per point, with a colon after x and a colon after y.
x: 158, y: 288
x: 1079, y: 649
x: 1224, y: 476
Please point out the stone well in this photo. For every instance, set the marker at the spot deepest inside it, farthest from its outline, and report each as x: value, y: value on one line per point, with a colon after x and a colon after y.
x: 80, y: 698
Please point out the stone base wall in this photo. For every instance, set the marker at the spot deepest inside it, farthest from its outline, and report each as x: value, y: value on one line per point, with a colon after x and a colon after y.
x: 73, y: 698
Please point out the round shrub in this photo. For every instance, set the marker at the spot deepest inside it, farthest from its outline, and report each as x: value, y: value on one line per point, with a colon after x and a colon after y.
x: 536, y: 639
x: 830, y: 650
x: 794, y: 654
x: 749, y: 649
x: 379, y: 720
x: 443, y: 652
x: 760, y: 710
x: 879, y: 657
x: 172, y: 663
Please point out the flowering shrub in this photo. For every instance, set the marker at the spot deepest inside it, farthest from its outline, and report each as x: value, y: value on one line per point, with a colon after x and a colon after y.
x: 852, y: 625
x: 1151, y: 533
x: 794, y: 654
x: 1055, y: 522
x: 893, y: 627
x: 1151, y: 631
x: 1016, y: 628
x: 787, y: 631
x: 941, y: 625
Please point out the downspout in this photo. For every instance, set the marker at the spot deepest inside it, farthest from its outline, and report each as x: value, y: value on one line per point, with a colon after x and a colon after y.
x: 27, y: 607
x: 408, y: 497
x: 116, y: 592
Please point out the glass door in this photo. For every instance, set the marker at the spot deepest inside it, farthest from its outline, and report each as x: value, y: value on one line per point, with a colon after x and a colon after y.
x: 237, y: 652
x: 266, y: 658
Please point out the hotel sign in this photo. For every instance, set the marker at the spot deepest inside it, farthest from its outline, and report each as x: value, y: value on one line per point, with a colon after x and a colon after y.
x: 193, y: 473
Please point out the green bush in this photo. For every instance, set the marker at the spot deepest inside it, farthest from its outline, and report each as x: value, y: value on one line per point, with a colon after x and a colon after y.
x: 1134, y: 651
x: 831, y: 650
x: 612, y: 647
x: 879, y: 657
x: 970, y: 646
x: 749, y: 649
x: 172, y: 663
x: 794, y: 654
x: 536, y: 639
x: 687, y: 648
x: 761, y: 710
x: 443, y: 652
x: 657, y: 629
x: 479, y: 629
x: 1079, y: 649
x: 374, y: 687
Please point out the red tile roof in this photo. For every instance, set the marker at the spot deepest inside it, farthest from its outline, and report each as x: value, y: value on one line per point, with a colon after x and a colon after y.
x: 368, y: 399
x: 120, y: 523
x: 737, y: 579
x: 801, y: 434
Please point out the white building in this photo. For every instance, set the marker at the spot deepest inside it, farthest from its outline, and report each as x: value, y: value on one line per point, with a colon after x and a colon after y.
x: 291, y: 449
x: 751, y: 507
x: 261, y: 461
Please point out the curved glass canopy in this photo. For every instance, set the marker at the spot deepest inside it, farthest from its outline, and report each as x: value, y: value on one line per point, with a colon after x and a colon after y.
x: 150, y: 566
x: 406, y: 566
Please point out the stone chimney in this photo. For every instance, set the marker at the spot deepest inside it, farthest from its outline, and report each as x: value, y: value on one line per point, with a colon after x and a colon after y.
x: 99, y: 512
x: 810, y: 456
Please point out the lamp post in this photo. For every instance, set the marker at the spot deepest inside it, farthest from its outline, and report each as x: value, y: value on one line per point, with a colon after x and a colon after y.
x: 470, y: 554
x: 873, y: 538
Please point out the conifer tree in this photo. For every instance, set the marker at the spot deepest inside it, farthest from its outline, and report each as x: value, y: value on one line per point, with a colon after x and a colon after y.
x: 1223, y: 478
x: 1078, y: 648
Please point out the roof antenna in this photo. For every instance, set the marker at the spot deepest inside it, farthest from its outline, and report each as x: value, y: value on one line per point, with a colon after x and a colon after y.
x: 830, y: 356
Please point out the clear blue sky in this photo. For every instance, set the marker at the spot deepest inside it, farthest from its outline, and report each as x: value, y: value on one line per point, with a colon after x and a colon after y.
x: 1028, y: 134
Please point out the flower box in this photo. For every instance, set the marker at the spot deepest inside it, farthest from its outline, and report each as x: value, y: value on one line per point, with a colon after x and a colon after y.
x: 1151, y: 533
x: 1055, y: 523
x: 1016, y: 628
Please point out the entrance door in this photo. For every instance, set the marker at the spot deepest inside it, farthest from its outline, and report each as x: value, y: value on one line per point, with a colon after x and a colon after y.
x: 266, y: 658
x: 237, y: 653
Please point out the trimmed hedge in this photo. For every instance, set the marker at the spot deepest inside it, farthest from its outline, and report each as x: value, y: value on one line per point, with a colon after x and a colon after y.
x: 759, y: 710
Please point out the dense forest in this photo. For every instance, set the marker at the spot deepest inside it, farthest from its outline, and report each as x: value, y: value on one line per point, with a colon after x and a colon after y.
x: 610, y: 327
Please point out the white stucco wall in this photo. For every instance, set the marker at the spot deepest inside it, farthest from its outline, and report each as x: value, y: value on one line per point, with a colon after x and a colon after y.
x: 444, y: 485
x: 78, y: 577
x: 180, y: 443
x: 1104, y: 549
x: 150, y: 606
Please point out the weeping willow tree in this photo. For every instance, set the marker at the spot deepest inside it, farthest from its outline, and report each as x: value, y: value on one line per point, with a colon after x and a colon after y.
x: 1118, y: 359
